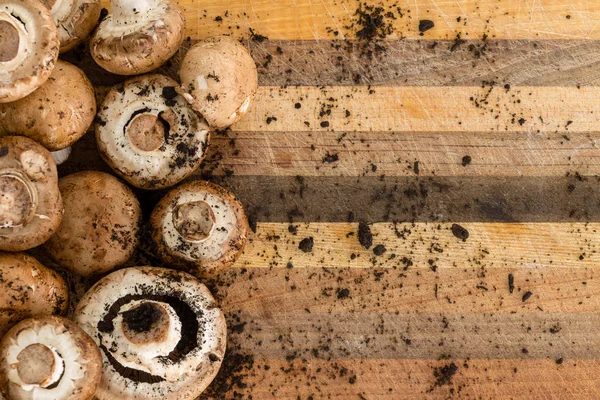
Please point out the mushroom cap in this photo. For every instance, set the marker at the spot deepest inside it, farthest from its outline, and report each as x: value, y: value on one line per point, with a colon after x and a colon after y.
x: 150, y: 135
x: 51, y: 358
x: 126, y: 313
x: 200, y: 227
x: 100, y: 227
x: 28, y: 47
x: 75, y: 20
x: 28, y: 289
x: 218, y: 77
x: 30, y: 203
x: 138, y: 37
x: 57, y: 114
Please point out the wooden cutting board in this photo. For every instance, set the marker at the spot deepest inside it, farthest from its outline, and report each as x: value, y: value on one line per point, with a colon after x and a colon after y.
x: 425, y: 204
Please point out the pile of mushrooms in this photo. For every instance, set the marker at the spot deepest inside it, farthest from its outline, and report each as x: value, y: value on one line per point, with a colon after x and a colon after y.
x: 140, y: 332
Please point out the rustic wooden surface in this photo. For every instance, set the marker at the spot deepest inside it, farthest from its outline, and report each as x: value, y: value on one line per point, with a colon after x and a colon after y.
x: 489, y: 120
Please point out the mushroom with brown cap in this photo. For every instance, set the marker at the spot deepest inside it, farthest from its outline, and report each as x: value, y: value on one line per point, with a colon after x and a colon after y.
x: 30, y: 203
x: 150, y: 135
x: 75, y: 20
x: 100, y: 226
x: 28, y: 47
x: 160, y: 333
x: 218, y: 77
x: 49, y: 358
x: 200, y: 227
x: 57, y: 114
x: 28, y: 289
x: 138, y: 36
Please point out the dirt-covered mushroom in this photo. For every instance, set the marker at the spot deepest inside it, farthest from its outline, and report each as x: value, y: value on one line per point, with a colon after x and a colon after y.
x: 138, y: 36
x: 28, y: 289
x: 57, y: 114
x: 100, y: 226
x: 75, y: 20
x: 160, y: 332
x: 149, y: 134
x: 30, y: 203
x: 218, y: 77
x: 28, y: 47
x: 49, y: 358
x: 200, y: 227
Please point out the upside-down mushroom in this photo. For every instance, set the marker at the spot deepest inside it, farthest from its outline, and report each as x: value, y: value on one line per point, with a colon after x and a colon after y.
x: 28, y: 47
x: 138, y: 36
x: 200, y: 227
x: 161, y: 334
x: 30, y: 203
x: 57, y: 114
x: 75, y: 20
x: 149, y: 134
x: 28, y: 289
x: 218, y: 78
x: 49, y: 358
x: 100, y: 226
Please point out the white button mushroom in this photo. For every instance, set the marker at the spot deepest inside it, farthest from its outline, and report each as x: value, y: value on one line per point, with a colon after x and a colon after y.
x: 100, y: 226
x: 200, y: 227
x: 75, y: 20
x: 28, y: 47
x: 219, y: 78
x: 150, y: 135
x: 49, y: 358
x: 138, y: 36
x: 161, y: 335
x: 30, y: 203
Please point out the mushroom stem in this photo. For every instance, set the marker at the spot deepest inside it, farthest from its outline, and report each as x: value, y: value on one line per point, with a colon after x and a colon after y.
x: 13, y: 43
x: 18, y: 199
x: 195, y: 221
x: 124, y: 11
x: 39, y: 366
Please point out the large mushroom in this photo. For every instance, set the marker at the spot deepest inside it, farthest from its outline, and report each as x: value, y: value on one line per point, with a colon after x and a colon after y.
x: 49, y: 358
x: 75, y: 20
x: 200, y: 227
x: 150, y: 135
x: 28, y: 47
x: 30, y: 204
x: 28, y: 289
x: 100, y: 227
x: 57, y: 114
x: 138, y: 36
x: 161, y: 334
x: 218, y: 77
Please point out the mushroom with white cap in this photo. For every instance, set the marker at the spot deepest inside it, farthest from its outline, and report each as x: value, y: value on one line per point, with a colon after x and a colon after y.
x: 160, y: 333
x: 100, y: 226
x: 75, y: 20
x: 138, y: 36
x: 199, y: 226
x: 149, y: 134
x: 28, y: 47
x: 49, y: 358
x: 218, y: 78
x: 30, y: 203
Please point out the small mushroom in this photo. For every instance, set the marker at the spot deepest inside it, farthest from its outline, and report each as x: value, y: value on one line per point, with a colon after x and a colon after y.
x: 30, y: 204
x: 28, y: 47
x: 199, y: 226
x: 49, y: 358
x: 161, y: 334
x: 218, y: 78
x: 150, y: 135
x: 138, y: 36
x: 75, y: 19
x: 28, y: 289
x: 100, y: 227
x: 57, y: 114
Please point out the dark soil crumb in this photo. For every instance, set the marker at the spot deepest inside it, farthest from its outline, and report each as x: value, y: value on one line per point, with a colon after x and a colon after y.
x: 257, y: 37
x: 425, y: 25
x: 343, y: 293
x: 306, y: 244
x: 444, y: 374
x: 379, y: 250
x: 460, y: 232
x: 511, y: 283
x: 231, y: 376
x: 466, y: 160
x: 527, y: 295
x: 329, y: 158
x: 416, y: 167
x: 559, y: 361
x: 365, y: 237
x: 3, y: 151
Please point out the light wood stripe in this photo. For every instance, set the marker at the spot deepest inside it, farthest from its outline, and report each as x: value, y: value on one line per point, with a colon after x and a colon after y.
x: 411, y: 379
x: 308, y: 20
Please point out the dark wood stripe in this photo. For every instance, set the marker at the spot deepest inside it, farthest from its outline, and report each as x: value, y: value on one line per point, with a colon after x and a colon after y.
x: 404, y: 63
